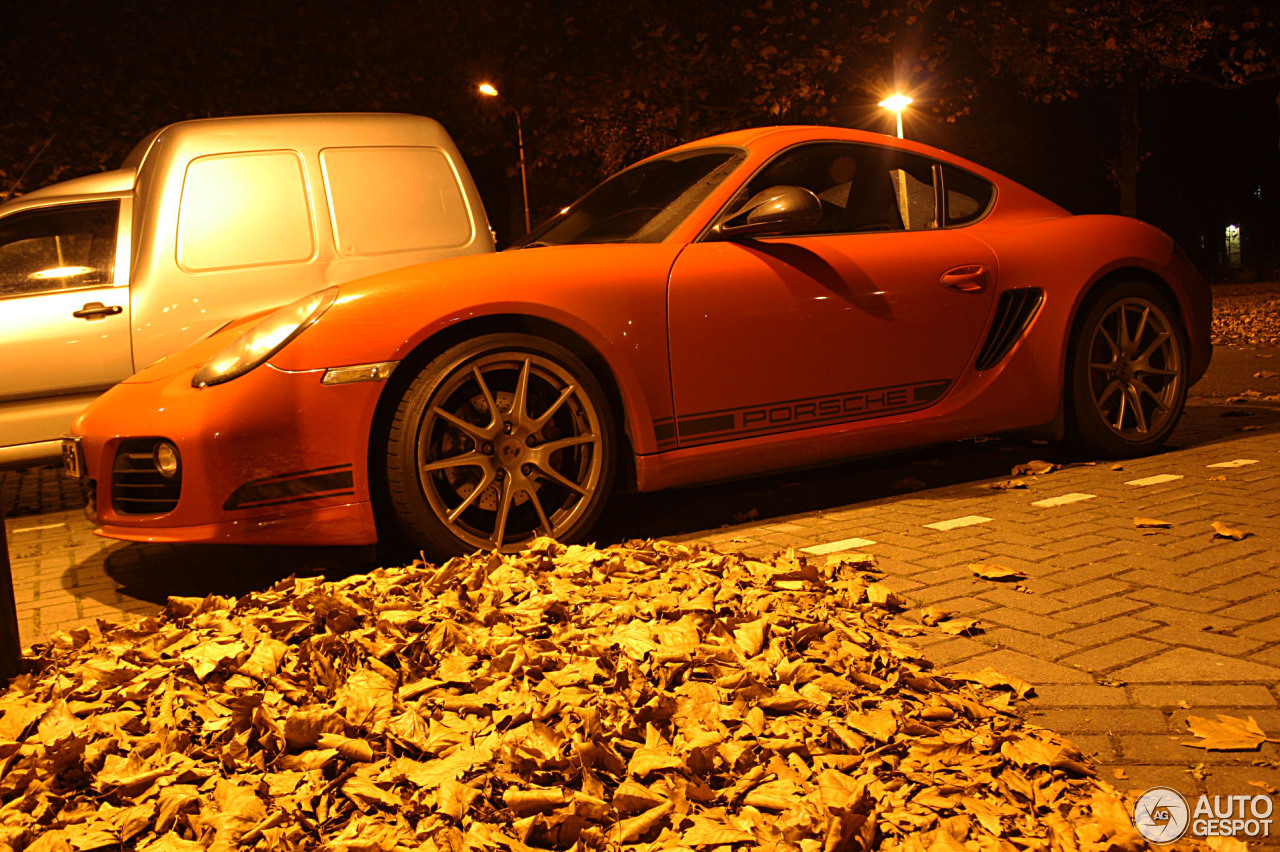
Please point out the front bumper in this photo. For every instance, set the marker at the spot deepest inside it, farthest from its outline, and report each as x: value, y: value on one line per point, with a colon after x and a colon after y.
x: 273, y: 457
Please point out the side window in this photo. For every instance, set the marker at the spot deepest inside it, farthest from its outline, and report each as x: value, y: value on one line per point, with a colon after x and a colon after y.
x: 394, y: 199
x: 58, y: 248
x: 244, y: 210
x: 863, y: 188
x: 968, y: 196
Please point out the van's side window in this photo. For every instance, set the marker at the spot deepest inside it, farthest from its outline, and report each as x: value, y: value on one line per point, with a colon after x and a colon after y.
x: 244, y: 210
x: 68, y: 247
x: 394, y: 199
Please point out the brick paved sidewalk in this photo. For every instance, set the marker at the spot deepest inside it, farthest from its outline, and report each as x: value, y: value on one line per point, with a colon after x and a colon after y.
x: 1123, y: 630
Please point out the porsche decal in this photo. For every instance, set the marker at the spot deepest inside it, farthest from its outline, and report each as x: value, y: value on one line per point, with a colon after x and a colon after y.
x: 713, y: 426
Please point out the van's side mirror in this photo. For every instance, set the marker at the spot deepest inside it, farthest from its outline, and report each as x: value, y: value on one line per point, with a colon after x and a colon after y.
x: 775, y: 211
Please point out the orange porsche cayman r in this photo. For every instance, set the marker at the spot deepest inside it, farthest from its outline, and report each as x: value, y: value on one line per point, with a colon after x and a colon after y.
x: 761, y: 300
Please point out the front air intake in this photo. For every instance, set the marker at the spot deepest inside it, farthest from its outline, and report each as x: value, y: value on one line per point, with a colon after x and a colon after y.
x: 137, y: 485
x: 1013, y: 315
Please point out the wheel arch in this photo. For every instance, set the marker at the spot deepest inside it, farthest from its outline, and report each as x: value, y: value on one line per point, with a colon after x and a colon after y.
x: 424, y: 352
x: 1121, y: 275
x: 1096, y: 291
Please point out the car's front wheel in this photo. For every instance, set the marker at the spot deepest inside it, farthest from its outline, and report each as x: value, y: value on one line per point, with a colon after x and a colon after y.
x: 1128, y: 376
x: 497, y: 441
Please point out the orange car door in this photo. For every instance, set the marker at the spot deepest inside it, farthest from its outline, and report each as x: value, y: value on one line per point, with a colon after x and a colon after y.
x: 779, y: 334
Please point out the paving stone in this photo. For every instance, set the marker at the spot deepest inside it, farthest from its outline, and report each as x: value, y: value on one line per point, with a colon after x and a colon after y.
x: 954, y: 649
x: 1254, y: 610
x: 1075, y: 595
x: 968, y: 606
x: 954, y: 589
x: 1006, y: 596
x: 1079, y: 695
x: 1190, y: 620
x: 1028, y: 622
x: 1140, y: 777
x: 1031, y: 643
x: 1094, y: 720
x: 1106, y: 630
x: 1216, y: 642
x: 1176, y: 600
x: 1168, y: 748
x: 1031, y: 669
x: 1267, y: 631
x: 1192, y: 665
x: 1099, y: 611
x: 1097, y: 747
x: 1221, y: 695
x: 1108, y: 656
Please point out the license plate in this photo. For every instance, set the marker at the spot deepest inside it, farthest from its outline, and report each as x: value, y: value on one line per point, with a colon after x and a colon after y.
x: 73, y: 457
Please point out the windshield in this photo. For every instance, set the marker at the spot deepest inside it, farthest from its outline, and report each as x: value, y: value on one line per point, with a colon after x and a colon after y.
x: 642, y: 204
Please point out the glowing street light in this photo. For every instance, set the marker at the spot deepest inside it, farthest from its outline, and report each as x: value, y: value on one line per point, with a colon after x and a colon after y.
x: 896, y: 103
x: 488, y: 90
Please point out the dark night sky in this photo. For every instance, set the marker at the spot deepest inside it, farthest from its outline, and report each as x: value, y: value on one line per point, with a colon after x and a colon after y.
x: 99, y: 76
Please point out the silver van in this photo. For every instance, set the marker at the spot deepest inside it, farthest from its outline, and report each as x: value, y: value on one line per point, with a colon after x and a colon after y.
x: 206, y: 221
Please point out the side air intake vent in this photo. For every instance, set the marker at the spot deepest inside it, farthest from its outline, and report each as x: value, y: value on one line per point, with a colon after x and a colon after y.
x: 1014, y: 312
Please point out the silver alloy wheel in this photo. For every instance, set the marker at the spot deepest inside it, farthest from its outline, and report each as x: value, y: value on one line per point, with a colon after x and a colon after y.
x: 510, y: 447
x: 1135, y: 369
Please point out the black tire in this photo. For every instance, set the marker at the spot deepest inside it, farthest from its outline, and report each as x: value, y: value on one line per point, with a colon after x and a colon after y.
x: 1127, y: 373
x: 473, y: 462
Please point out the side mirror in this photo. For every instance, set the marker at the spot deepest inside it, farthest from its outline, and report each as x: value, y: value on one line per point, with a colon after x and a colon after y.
x: 775, y: 211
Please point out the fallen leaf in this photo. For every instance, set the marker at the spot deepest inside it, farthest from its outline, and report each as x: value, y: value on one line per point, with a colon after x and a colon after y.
x: 879, y: 595
x: 1151, y: 523
x: 931, y: 615
x: 992, y: 571
x: 1221, y: 530
x: 1008, y: 484
x: 1036, y: 467
x: 1228, y: 733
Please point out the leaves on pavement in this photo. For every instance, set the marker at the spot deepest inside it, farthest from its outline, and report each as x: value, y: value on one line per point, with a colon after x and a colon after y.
x: 652, y: 696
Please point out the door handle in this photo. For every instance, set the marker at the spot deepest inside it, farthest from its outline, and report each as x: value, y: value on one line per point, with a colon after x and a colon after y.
x: 96, y: 311
x: 970, y: 278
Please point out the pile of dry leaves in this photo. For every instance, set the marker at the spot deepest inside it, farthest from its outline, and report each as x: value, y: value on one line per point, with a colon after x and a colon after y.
x: 1247, y: 314
x: 655, y: 696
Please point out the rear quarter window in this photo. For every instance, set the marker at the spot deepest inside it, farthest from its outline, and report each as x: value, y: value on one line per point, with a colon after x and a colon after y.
x: 969, y: 197
x: 384, y: 200
x: 244, y: 210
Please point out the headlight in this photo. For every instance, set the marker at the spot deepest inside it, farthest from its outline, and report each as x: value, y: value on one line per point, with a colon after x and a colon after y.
x: 263, y: 339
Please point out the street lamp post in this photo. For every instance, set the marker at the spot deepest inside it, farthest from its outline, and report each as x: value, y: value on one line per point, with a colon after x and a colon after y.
x: 488, y: 90
x: 896, y: 103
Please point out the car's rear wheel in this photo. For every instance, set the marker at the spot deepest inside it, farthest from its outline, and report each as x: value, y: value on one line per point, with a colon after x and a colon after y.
x: 1128, y: 376
x: 497, y: 441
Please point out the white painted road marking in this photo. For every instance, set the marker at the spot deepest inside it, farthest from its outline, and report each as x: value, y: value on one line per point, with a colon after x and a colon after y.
x: 1158, y: 479
x: 1063, y: 500
x: 956, y: 523
x: 836, y: 546
x: 1236, y: 463
x: 41, y: 527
